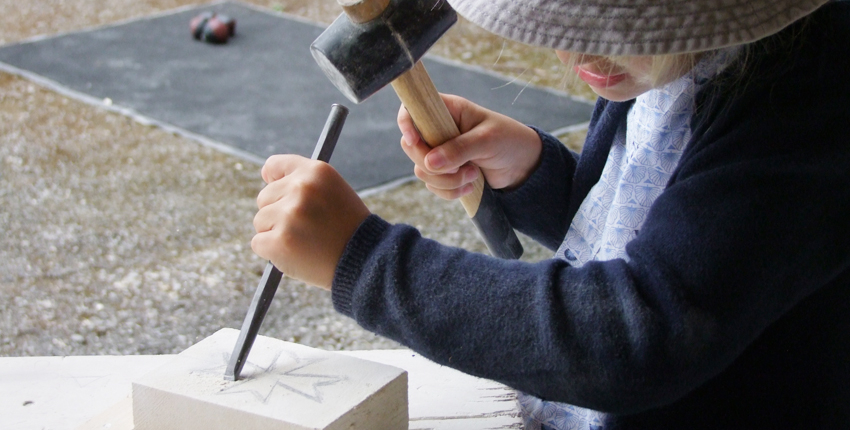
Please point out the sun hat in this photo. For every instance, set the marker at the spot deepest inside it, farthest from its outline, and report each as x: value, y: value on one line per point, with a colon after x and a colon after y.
x: 634, y: 27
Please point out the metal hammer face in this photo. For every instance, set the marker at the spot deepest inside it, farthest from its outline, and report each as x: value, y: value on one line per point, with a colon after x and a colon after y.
x: 361, y: 58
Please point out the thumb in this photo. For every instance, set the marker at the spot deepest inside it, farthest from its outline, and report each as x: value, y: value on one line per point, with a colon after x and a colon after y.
x: 278, y: 166
x: 451, y: 155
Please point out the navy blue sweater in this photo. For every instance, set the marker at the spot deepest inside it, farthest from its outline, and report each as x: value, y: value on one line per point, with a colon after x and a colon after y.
x: 734, y: 310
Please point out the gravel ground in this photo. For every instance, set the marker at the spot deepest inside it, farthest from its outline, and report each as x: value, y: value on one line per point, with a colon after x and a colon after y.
x: 120, y: 238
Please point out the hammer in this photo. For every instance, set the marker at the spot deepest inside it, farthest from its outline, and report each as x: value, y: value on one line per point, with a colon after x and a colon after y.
x: 376, y: 42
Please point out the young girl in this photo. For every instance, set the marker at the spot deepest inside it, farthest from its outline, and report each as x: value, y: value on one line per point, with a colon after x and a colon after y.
x: 701, y: 276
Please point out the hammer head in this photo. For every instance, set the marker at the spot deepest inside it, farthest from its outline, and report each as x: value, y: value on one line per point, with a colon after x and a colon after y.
x: 361, y: 58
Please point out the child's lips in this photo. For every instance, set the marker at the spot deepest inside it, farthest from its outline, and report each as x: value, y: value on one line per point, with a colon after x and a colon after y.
x: 599, y: 80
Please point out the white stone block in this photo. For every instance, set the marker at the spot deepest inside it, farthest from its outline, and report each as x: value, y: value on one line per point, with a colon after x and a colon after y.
x: 283, y: 386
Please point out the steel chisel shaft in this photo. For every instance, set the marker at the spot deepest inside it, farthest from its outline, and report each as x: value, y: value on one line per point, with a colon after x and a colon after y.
x: 272, y: 276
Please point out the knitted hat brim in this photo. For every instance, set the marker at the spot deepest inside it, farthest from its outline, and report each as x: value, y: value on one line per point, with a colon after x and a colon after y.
x: 634, y: 27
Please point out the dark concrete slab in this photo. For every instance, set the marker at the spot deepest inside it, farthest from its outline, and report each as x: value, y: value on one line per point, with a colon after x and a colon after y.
x: 261, y: 93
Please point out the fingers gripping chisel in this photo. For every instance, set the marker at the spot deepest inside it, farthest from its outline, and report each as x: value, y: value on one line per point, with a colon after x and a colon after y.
x: 271, y: 276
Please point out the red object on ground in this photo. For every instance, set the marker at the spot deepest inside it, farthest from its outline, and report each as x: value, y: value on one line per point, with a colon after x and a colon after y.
x: 229, y: 22
x: 215, y: 31
x: 212, y: 28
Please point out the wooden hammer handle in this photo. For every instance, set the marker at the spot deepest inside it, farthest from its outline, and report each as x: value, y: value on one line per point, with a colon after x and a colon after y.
x: 360, y: 11
x: 436, y: 125
x: 433, y: 120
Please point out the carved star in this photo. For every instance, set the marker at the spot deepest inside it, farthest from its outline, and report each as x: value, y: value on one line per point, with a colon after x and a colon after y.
x: 261, y: 382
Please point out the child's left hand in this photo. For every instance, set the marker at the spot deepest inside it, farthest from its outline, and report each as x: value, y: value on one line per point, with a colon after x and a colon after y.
x: 307, y: 215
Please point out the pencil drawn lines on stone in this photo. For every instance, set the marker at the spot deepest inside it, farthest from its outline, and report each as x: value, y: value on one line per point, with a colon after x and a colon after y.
x: 292, y: 374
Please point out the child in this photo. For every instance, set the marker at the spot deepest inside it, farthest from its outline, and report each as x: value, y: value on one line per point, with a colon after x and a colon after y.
x: 702, y: 269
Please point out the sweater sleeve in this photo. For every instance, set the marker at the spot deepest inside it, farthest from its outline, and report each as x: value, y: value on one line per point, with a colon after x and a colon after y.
x: 539, y: 206
x: 719, y: 259
x: 753, y: 221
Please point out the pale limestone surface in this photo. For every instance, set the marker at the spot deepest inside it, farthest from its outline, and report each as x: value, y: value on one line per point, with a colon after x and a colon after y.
x: 283, y: 386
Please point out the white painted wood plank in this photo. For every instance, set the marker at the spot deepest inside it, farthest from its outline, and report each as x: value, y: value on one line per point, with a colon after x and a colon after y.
x: 62, y: 393
x: 118, y: 417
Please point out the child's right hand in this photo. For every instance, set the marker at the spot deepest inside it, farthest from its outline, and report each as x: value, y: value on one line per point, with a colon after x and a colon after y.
x: 505, y: 150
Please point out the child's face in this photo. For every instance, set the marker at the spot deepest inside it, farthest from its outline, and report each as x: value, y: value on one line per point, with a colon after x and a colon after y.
x: 620, y: 80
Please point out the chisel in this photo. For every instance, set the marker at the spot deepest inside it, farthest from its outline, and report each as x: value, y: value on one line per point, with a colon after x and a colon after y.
x: 271, y: 276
